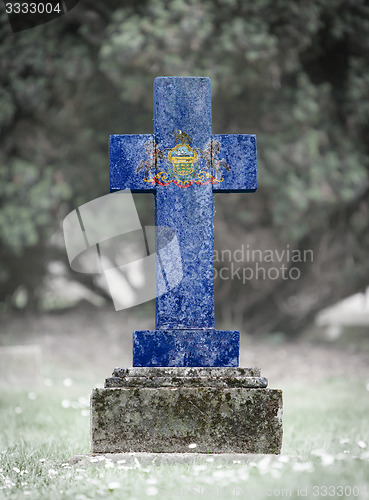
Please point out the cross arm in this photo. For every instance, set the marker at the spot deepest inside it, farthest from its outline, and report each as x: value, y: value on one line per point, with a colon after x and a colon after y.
x: 239, y: 153
x: 131, y: 159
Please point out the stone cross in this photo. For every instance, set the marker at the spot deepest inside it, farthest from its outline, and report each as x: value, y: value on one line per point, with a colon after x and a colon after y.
x: 182, y: 164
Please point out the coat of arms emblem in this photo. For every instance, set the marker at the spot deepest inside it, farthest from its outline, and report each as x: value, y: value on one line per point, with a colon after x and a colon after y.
x: 183, y: 166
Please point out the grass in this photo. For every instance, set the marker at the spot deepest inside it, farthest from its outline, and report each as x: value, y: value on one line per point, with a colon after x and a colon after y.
x: 325, y: 451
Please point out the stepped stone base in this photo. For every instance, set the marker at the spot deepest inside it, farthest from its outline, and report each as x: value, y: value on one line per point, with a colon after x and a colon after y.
x: 165, y: 410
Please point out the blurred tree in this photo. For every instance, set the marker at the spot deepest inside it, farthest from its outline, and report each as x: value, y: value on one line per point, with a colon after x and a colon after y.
x: 296, y: 74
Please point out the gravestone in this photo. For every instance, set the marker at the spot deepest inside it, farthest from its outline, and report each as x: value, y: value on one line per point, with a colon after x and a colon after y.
x: 185, y: 387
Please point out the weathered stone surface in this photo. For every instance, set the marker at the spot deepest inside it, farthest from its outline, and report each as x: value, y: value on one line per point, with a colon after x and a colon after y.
x: 188, y: 377
x: 255, y: 382
x: 197, y: 371
x: 217, y: 420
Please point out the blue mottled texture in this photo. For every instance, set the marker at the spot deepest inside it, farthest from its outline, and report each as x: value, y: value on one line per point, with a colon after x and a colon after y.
x: 239, y: 151
x: 185, y: 104
x: 185, y: 348
x: 185, y: 334
x: 125, y: 153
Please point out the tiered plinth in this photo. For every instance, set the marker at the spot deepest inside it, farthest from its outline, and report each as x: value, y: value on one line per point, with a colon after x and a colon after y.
x: 220, y: 410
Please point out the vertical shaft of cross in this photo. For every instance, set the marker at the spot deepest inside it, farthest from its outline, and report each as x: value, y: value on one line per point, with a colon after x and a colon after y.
x: 183, y: 105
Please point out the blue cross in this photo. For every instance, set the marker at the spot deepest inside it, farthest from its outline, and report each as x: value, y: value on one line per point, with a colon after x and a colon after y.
x: 183, y: 163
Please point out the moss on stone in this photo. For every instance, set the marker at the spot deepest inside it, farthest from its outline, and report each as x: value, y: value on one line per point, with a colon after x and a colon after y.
x: 218, y: 420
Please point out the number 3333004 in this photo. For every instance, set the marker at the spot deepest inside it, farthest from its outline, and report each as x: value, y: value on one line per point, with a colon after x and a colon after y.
x: 32, y: 8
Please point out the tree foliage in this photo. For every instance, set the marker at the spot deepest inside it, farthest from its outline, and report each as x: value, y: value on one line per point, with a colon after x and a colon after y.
x: 294, y: 73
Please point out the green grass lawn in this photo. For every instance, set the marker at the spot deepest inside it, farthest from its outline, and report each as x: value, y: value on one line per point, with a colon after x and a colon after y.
x: 325, y: 451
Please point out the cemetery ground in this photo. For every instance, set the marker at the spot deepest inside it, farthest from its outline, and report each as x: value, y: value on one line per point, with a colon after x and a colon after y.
x: 44, y: 424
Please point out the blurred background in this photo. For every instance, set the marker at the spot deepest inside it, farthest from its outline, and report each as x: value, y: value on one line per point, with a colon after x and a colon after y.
x: 294, y: 73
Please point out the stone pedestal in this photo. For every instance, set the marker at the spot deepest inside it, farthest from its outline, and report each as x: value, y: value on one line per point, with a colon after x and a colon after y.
x: 165, y: 410
x: 180, y: 348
